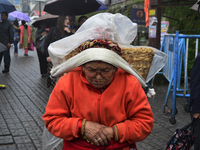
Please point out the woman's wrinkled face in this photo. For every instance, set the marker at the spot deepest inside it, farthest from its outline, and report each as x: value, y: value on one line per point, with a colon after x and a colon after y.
x: 99, y: 74
x: 66, y: 21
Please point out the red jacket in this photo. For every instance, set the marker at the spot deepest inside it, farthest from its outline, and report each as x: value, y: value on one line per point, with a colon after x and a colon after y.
x: 123, y: 103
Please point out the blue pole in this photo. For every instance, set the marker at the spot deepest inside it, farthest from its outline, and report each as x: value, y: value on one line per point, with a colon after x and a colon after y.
x: 173, y: 121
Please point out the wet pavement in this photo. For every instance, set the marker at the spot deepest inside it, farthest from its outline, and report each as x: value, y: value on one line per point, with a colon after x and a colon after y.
x: 23, y: 102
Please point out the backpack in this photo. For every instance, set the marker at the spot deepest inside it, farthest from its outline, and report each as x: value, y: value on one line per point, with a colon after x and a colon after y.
x: 41, y: 46
x: 182, y: 139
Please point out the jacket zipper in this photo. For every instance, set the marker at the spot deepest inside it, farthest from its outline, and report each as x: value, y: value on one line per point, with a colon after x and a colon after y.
x: 98, y: 107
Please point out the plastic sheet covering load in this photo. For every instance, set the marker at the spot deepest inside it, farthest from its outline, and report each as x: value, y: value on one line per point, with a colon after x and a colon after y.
x: 115, y: 27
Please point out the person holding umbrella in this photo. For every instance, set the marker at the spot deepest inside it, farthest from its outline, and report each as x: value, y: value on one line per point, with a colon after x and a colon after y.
x: 72, y: 26
x: 25, y: 36
x: 58, y: 32
x: 16, y: 37
x: 6, y: 38
x: 40, y: 36
x: 81, y: 20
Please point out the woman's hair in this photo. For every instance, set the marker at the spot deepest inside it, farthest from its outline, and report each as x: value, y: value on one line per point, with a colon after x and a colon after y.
x: 24, y: 24
x: 81, y: 17
x: 16, y: 23
x: 60, y: 25
x: 4, y: 12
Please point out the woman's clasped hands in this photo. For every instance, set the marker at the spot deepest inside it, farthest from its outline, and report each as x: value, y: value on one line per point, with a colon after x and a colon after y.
x: 98, y: 134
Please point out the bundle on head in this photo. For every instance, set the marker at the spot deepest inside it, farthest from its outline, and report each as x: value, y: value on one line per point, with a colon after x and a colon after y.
x: 139, y: 58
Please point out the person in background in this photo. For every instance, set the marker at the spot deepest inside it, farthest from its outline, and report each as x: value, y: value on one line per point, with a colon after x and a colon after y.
x: 6, y: 38
x: 16, y: 37
x: 33, y: 34
x: 25, y: 36
x: 194, y: 103
x: 61, y: 30
x: 81, y: 20
x: 72, y: 26
x: 40, y: 36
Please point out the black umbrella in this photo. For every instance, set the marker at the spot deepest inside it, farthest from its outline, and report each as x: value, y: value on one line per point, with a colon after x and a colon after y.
x: 48, y: 19
x: 5, y: 5
x: 71, y: 7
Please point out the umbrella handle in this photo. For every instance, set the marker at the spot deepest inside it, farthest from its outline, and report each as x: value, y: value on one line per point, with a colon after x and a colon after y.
x: 198, y: 11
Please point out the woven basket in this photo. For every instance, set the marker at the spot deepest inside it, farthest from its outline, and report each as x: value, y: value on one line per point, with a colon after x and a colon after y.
x: 71, y: 54
x: 139, y: 58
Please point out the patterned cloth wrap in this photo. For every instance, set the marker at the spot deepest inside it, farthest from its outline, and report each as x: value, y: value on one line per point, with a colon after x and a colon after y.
x: 102, y: 43
x: 182, y: 139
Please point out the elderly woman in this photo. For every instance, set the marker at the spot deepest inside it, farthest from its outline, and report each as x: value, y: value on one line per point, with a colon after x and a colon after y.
x: 99, y: 106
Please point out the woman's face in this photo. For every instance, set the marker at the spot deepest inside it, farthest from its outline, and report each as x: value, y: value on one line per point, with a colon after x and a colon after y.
x: 99, y: 74
x: 66, y: 21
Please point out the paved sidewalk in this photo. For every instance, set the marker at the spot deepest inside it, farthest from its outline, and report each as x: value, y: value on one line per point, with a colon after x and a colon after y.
x: 23, y: 102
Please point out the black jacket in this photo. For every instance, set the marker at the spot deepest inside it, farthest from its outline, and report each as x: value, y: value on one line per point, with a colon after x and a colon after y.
x: 6, y: 33
x: 194, y: 104
x: 53, y: 35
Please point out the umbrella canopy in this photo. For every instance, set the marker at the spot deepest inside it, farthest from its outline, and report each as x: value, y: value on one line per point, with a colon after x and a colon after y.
x: 5, y: 5
x: 102, y: 7
x: 48, y: 19
x: 20, y: 15
x: 71, y: 7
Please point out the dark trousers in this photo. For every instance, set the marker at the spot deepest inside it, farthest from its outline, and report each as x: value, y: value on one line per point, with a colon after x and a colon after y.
x: 6, y: 55
x: 16, y: 46
x: 42, y: 62
x: 197, y: 134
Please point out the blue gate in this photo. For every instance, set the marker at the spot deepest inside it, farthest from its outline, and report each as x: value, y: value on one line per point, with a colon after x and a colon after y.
x: 176, y: 48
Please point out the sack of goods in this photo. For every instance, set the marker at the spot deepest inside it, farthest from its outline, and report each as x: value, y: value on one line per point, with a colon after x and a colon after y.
x: 93, y: 41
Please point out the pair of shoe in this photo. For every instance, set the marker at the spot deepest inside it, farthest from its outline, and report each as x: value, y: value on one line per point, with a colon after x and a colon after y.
x: 43, y: 75
x: 16, y: 54
x: 2, y: 86
x: 5, y: 71
x: 25, y: 54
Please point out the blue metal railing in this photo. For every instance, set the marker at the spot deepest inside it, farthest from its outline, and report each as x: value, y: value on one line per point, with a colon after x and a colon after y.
x: 176, y: 48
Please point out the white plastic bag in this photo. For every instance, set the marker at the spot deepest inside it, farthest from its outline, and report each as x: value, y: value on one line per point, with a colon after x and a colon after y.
x: 115, y: 27
x: 49, y: 141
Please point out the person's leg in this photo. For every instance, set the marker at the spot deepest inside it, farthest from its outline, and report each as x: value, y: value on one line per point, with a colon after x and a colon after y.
x: 197, y: 134
x: 42, y: 63
x: 16, y: 47
x: 6, y: 61
x: 1, y: 56
x: 25, y: 51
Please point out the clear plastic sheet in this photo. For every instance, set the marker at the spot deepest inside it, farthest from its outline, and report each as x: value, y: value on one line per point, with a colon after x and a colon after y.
x: 49, y: 141
x: 115, y: 27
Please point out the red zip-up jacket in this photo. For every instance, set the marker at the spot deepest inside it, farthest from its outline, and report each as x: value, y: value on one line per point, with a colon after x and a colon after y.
x: 123, y: 103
